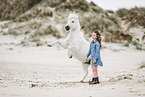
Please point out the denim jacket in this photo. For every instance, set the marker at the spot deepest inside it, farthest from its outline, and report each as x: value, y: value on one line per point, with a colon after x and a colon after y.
x: 94, y: 51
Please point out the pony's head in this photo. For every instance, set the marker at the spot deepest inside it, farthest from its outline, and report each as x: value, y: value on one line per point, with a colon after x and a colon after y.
x: 73, y: 22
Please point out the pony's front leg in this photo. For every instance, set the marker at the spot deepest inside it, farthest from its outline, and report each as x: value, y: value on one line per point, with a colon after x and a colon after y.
x: 63, y: 44
x: 69, y: 53
x: 53, y: 43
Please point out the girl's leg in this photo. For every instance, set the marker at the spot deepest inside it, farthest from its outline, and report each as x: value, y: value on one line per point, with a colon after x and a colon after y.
x: 95, y: 79
x: 95, y: 71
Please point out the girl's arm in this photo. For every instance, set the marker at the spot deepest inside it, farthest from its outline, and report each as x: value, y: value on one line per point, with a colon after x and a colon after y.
x: 89, y: 52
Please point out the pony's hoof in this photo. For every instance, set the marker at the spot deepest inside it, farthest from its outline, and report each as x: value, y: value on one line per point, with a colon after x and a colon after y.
x: 70, y: 56
x: 49, y: 45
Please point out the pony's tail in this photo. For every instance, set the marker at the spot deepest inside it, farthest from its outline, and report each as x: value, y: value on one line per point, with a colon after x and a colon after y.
x: 98, y: 34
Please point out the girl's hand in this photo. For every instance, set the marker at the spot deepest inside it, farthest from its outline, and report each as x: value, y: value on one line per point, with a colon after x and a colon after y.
x: 86, y: 59
x: 94, y: 61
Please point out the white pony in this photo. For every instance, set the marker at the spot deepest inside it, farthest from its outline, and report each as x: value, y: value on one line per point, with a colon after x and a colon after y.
x: 75, y: 42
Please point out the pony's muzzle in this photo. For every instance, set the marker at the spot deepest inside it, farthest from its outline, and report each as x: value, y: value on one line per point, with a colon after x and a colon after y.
x: 67, y: 27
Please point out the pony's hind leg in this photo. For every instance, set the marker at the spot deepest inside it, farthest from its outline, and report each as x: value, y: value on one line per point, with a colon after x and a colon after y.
x: 85, y: 69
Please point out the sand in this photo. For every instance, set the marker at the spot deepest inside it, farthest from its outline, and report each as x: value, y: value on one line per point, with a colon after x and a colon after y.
x: 48, y: 72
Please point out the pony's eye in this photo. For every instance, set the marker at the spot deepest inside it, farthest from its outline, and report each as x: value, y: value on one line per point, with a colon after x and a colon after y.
x: 72, y: 21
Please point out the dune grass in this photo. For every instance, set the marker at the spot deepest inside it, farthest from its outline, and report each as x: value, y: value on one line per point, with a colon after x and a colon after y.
x: 44, y: 17
x: 135, y: 16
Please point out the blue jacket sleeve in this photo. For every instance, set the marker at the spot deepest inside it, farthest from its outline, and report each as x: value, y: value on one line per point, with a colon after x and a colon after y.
x: 97, y: 51
x: 89, y: 52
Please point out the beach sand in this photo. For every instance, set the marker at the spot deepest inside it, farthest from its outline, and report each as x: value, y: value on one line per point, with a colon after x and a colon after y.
x: 48, y: 72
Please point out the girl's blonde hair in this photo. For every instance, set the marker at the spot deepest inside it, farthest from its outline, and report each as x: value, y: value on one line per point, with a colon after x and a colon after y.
x: 98, y: 34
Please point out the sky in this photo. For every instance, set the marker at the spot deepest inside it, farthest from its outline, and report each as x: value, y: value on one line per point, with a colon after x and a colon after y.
x: 116, y: 4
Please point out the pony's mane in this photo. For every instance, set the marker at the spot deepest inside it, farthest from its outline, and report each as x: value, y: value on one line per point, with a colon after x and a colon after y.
x: 72, y: 15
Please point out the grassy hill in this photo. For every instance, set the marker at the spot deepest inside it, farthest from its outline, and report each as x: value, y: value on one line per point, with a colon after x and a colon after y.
x: 10, y: 9
x: 135, y: 16
x: 33, y: 18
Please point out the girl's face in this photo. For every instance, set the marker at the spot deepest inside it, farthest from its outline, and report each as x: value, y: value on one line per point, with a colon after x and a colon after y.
x: 94, y: 36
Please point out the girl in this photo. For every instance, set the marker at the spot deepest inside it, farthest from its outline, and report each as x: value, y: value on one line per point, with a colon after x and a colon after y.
x: 94, y: 51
